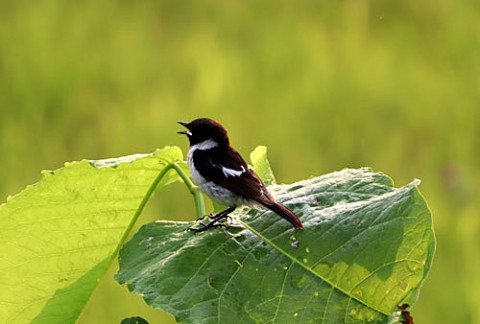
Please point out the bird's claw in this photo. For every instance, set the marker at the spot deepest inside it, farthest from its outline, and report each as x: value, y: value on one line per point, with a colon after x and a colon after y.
x: 206, y: 227
x: 212, y: 224
x: 213, y: 220
x: 210, y: 216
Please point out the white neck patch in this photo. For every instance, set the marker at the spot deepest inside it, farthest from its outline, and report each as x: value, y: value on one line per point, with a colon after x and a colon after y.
x: 203, y: 146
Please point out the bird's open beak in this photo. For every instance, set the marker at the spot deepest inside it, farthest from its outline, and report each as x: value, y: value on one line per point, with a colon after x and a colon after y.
x: 184, y: 124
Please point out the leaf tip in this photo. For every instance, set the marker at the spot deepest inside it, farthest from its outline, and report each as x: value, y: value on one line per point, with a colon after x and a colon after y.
x: 416, y: 182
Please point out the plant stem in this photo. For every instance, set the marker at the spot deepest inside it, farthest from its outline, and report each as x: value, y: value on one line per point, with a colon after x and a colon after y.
x: 194, y: 190
x: 142, y: 205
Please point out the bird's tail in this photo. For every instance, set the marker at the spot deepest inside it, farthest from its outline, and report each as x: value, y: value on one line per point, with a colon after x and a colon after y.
x: 285, y: 213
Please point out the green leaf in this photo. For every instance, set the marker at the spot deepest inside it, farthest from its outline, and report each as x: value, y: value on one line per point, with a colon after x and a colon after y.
x: 366, y: 248
x: 261, y: 165
x: 59, y: 236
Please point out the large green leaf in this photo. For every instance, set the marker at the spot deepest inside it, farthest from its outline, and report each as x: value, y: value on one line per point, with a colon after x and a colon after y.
x: 366, y: 248
x: 60, y: 235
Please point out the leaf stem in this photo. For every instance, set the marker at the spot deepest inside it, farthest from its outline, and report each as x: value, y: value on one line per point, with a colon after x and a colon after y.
x: 194, y: 190
x: 140, y: 208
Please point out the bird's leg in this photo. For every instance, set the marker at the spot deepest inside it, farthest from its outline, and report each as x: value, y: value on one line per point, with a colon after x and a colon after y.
x: 215, y: 218
x: 223, y: 213
x: 210, y: 216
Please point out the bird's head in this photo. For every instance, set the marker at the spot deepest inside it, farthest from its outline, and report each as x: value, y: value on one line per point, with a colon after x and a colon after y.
x: 204, y: 129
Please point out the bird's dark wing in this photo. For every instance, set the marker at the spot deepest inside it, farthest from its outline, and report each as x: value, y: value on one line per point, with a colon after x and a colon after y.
x: 229, y: 170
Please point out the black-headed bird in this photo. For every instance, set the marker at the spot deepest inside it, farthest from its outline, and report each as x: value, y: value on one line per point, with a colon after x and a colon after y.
x: 222, y: 174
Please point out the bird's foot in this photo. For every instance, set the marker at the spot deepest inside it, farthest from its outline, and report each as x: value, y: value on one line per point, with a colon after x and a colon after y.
x: 206, y: 227
x: 201, y: 218
x: 214, y: 220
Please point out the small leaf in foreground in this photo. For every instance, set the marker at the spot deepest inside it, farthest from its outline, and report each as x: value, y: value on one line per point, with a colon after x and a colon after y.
x: 261, y: 165
x: 134, y: 320
x: 366, y: 248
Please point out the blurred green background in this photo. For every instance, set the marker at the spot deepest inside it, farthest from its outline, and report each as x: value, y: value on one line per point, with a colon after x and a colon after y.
x: 394, y: 85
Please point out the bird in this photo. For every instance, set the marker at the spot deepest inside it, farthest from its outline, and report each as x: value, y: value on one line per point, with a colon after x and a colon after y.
x: 223, y: 175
